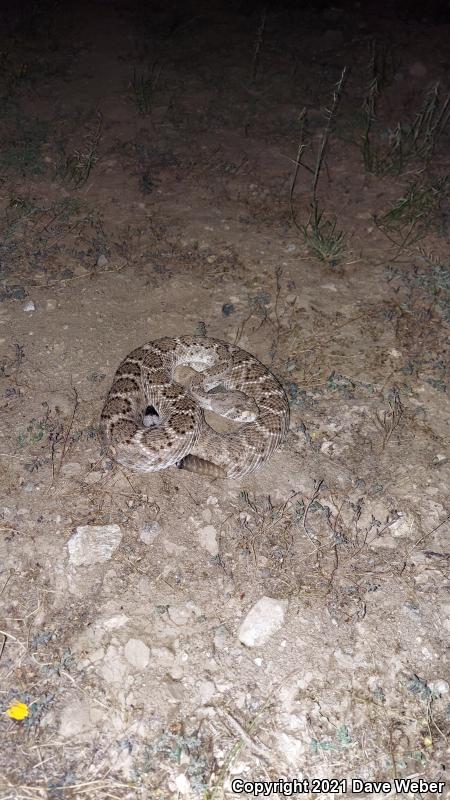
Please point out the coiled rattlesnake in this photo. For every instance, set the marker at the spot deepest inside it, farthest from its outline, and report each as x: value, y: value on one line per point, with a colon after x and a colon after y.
x: 151, y: 422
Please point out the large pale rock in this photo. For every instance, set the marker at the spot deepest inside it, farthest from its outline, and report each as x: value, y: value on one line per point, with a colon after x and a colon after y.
x: 262, y: 621
x: 137, y: 653
x: 93, y: 544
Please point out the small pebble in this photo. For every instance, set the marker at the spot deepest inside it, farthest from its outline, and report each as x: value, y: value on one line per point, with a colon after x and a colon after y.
x: 438, y: 687
x: 29, y: 306
x: 227, y: 309
x: 182, y: 784
x: 102, y: 261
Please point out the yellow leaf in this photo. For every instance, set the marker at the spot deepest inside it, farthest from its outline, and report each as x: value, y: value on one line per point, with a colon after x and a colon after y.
x: 17, y: 710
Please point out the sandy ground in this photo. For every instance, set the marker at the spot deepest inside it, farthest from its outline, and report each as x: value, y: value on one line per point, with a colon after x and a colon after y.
x: 147, y: 163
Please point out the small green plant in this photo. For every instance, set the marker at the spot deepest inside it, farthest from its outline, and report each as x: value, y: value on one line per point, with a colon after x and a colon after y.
x: 392, y: 151
x: 412, y: 215
x: 324, y: 240
x: 144, y: 85
x: 322, y: 237
x: 79, y: 165
x: 388, y: 421
x: 35, y: 433
x: 24, y: 217
x: 19, y: 209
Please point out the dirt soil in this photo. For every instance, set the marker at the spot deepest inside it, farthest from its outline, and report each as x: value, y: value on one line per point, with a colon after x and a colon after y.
x: 149, y: 186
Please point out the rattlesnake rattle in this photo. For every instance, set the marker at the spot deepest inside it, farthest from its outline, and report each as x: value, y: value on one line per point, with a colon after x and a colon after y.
x: 173, y: 430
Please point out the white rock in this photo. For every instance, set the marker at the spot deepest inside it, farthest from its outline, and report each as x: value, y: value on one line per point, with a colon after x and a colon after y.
x: 176, y: 672
x: 292, y: 749
x: 439, y: 687
x: 29, y: 306
x: 207, y: 538
x: 137, y: 653
x: 326, y: 446
x: 102, y: 261
x: 112, y: 623
x: 93, y: 544
x: 262, y: 621
x: 182, y: 784
x: 403, y: 526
